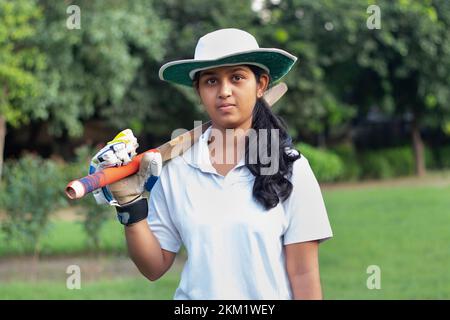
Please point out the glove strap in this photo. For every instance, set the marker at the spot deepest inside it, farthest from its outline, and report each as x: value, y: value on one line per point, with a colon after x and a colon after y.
x: 133, y: 212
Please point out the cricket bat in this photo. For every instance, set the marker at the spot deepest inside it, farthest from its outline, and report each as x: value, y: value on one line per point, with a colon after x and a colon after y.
x: 78, y: 188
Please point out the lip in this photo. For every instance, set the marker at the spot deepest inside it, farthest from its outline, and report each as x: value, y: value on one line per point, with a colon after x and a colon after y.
x: 226, y: 106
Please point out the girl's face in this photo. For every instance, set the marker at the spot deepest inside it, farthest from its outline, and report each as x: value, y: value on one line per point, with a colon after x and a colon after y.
x: 229, y: 94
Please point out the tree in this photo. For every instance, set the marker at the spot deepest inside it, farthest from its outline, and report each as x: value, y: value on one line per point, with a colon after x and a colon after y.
x: 306, y: 29
x: 19, y: 61
x: 403, y: 67
x: 92, y: 68
x: 407, y: 62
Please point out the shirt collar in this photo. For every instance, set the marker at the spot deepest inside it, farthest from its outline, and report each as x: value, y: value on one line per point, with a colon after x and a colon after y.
x: 198, y: 155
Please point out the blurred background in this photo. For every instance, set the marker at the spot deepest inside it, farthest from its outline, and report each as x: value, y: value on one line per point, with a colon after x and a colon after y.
x: 368, y: 105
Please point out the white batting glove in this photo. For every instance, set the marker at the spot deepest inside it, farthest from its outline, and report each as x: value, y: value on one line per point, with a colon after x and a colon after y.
x: 120, y: 151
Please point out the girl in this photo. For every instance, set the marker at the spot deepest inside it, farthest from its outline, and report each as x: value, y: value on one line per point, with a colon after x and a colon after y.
x: 251, y: 223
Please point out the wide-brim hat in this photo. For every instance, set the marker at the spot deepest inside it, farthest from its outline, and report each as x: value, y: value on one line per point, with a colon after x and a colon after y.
x: 228, y: 47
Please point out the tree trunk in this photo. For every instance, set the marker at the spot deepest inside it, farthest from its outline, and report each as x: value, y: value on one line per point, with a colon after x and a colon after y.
x: 2, y: 142
x: 418, y: 147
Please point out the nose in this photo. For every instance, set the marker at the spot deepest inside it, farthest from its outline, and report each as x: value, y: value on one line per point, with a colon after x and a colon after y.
x: 225, y: 90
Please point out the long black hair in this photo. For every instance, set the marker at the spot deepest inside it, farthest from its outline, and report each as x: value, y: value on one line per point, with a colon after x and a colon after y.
x: 268, y: 189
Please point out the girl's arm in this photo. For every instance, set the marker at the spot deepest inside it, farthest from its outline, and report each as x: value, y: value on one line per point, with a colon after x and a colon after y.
x: 146, y: 252
x: 302, y: 263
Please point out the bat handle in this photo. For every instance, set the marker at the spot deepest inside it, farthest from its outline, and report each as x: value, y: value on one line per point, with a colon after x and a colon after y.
x: 77, y: 189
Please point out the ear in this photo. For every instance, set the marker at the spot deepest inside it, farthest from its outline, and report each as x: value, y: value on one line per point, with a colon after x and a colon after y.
x: 262, y: 85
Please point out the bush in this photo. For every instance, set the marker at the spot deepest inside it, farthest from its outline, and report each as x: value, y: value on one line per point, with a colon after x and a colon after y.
x: 401, y: 160
x: 387, y: 163
x: 326, y: 165
x: 374, y: 166
x: 431, y: 158
x: 32, y: 189
x: 444, y: 153
x: 344, y: 163
x: 442, y: 157
x: 349, y: 158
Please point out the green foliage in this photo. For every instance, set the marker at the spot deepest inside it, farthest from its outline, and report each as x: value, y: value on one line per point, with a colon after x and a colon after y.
x: 404, y: 67
x: 326, y: 165
x: 31, y: 191
x: 445, y: 157
x: 107, y: 70
x: 92, y: 68
x: 313, y: 104
x: 439, y: 158
x: 349, y: 158
x: 19, y: 61
x: 375, y: 166
x: 387, y: 163
x: 431, y: 158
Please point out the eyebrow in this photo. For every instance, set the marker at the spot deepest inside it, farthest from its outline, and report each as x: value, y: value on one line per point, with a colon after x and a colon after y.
x: 209, y: 73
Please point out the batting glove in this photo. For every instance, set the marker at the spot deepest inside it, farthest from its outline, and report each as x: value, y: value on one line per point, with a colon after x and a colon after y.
x: 120, y: 151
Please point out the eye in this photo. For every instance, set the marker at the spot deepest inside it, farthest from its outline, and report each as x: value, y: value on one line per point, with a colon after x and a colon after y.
x: 210, y: 81
x: 237, y: 77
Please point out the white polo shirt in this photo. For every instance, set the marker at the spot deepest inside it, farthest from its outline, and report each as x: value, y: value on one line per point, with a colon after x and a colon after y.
x: 234, y: 246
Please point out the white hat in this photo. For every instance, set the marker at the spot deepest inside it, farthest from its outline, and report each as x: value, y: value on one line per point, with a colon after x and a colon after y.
x: 227, y: 47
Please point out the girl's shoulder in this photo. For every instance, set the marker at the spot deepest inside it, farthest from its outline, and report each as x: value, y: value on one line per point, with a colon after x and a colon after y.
x: 300, y: 168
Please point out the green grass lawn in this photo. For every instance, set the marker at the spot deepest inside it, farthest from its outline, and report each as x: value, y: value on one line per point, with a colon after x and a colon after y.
x: 114, y: 289
x: 405, y: 231
x: 68, y: 237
